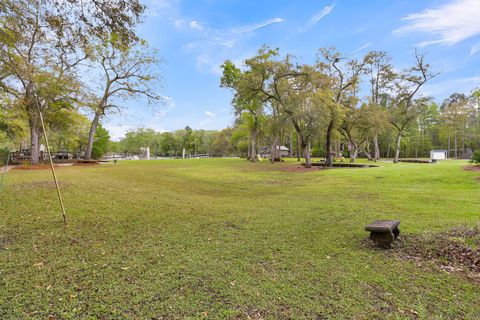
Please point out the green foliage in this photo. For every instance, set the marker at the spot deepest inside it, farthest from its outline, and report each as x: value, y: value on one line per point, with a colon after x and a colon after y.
x: 101, y: 143
x: 4, y: 152
x: 476, y: 157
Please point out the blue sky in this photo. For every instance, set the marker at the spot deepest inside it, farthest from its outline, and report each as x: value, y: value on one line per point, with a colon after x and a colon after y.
x: 194, y: 37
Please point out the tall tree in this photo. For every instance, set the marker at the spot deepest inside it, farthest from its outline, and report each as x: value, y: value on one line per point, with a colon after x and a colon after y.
x: 403, y: 107
x: 306, y: 102
x: 126, y: 72
x: 43, y: 42
x: 346, y: 75
x: 245, y: 100
x: 380, y: 75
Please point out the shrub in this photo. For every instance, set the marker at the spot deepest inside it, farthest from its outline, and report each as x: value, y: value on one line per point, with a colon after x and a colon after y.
x: 101, y: 143
x: 476, y: 157
x: 3, y: 156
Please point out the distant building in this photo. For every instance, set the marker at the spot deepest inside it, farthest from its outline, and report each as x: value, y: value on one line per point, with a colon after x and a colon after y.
x: 438, y: 154
x: 282, y: 151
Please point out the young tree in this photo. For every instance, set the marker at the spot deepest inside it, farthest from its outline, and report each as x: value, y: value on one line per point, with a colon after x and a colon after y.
x: 101, y: 143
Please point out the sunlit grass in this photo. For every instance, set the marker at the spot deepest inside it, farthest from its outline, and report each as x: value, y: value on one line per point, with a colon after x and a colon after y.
x: 228, y: 238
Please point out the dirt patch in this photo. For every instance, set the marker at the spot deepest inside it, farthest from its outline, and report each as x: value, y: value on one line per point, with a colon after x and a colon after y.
x: 5, y: 242
x: 300, y: 168
x: 7, y: 168
x: 80, y: 164
x: 457, y: 250
x: 474, y: 168
x: 35, y: 167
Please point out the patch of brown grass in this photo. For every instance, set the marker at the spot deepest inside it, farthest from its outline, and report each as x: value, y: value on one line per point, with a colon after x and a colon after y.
x: 457, y: 250
x: 474, y: 168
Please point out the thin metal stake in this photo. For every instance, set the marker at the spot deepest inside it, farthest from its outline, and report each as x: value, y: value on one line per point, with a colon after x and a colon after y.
x: 64, y: 214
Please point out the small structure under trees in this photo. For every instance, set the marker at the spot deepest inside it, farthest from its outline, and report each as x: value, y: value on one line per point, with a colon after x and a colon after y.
x: 438, y: 154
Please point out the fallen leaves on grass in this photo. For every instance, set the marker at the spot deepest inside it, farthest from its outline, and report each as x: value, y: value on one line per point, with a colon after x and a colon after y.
x: 457, y: 250
x: 474, y: 168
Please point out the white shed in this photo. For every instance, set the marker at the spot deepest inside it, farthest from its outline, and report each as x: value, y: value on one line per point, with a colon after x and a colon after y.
x: 438, y: 154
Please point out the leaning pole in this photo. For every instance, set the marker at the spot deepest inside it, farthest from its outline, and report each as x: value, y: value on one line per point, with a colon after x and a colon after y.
x: 59, y: 194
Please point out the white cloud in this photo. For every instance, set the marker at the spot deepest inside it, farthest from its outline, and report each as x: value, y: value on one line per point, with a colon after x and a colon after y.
x: 256, y: 26
x: 161, y: 8
x: 475, y: 49
x: 365, y: 46
x: 212, y: 46
x: 228, y: 43
x: 210, y: 114
x: 195, y: 25
x: 317, y: 17
x: 162, y: 3
x: 359, y: 31
x: 451, y: 23
x: 179, y: 23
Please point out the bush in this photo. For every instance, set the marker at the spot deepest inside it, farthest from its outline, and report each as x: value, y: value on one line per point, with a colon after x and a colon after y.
x: 3, y: 156
x: 476, y: 157
x: 101, y: 143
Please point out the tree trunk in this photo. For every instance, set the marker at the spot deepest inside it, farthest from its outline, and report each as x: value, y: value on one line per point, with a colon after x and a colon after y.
x: 328, y: 145
x: 449, y: 153
x: 253, y: 151
x: 273, y: 150
x: 353, y: 153
x: 290, y: 152
x: 369, y: 156
x: 298, y: 148
x: 35, y: 133
x: 456, y: 145
x: 91, y: 136
x: 397, y: 150
x: 376, y: 155
x: 306, y: 155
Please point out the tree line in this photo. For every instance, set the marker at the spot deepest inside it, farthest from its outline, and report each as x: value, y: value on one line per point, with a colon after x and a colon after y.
x: 64, y: 59
x: 171, y: 144
x: 68, y: 59
x: 341, y: 105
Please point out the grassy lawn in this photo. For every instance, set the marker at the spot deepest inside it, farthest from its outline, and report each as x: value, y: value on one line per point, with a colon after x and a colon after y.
x: 176, y: 239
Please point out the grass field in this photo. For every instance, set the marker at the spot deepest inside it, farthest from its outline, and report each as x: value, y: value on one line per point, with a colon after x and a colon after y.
x: 176, y: 239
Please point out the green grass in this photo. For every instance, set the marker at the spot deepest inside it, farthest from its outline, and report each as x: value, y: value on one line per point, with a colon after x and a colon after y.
x: 229, y: 239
